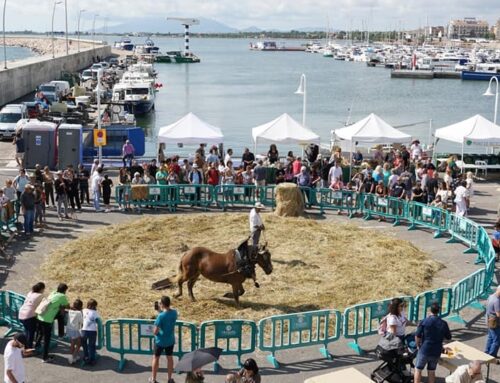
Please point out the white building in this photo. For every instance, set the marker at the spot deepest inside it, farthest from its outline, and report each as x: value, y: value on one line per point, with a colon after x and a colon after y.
x: 468, y: 27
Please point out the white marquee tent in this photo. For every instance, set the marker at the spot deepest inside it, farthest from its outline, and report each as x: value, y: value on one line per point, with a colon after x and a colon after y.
x: 284, y: 130
x: 190, y: 130
x: 372, y: 129
x: 476, y: 130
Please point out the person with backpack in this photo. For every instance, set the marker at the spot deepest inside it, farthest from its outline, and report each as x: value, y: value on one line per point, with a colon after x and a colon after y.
x: 49, y: 309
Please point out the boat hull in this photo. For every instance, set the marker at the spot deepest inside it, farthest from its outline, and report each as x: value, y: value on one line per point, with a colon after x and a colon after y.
x: 478, y: 76
x: 139, y: 107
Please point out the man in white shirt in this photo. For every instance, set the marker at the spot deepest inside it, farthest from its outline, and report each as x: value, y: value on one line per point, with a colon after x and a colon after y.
x: 228, y: 156
x: 96, y: 188
x: 256, y: 225
x: 335, y: 174
x: 13, y: 359
x: 461, y: 194
x: 467, y: 373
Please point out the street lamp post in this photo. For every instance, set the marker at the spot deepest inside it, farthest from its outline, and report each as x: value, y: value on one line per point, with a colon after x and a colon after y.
x: 66, y: 25
x: 302, y: 90
x: 78, y: 29
x: 4, y: 45
x: 53, y: 14
x: 490, y: 93
x: 93, y: 33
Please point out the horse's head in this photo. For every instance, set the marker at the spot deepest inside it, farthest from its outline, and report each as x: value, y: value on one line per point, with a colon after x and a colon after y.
x: 263, y: 259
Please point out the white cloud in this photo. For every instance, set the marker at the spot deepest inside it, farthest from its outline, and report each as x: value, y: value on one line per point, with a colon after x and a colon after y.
x: 286, y: 14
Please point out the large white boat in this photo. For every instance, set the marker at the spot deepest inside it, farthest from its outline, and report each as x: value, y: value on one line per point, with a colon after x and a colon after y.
x: 136, y: 96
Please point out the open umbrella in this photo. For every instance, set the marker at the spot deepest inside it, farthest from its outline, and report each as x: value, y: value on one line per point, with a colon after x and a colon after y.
x: 198, y: 358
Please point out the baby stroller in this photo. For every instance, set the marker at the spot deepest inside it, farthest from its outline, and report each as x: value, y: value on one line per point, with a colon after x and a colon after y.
x: 397, y: 361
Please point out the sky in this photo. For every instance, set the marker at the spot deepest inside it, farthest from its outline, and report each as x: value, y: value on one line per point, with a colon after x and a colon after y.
x: 264, y: 14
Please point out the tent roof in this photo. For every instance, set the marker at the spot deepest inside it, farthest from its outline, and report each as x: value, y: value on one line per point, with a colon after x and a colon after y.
x: 476, y: 128
x: 371, y: 129
x: 284, y: 130
x: 190, y: 130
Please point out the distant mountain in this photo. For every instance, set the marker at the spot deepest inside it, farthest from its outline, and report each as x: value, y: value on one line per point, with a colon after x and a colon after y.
x: 162, y: 25
x: 251, y: 29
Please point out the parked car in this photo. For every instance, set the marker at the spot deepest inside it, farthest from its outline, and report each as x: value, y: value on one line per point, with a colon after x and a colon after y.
x: 89, y: 74
x: 63, y: 88
x: 50, y: 91
x: 9, y: 117
x: 114, y: 61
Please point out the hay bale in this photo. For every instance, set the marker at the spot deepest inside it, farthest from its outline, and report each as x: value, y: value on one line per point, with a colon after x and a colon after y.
x: 289, y: 200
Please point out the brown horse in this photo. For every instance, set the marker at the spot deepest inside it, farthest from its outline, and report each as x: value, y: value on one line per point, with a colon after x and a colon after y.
x: 218, y: 268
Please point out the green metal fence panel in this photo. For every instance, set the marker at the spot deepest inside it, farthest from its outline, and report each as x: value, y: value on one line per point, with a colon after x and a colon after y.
x: 13, y: 303
x: 431, y: 217
x: 484, y: 246
x: 424, y: 300
x: 308, y: 195
x: 236, y: 195
x: 465, y: 230
x: 281, y: 332
x: 362, y: 320
x: 234, y: 337
x: 3, y: 321
x: 135, y: 336
x: 328, y: 199
x: 267, y: 195
x: 195, y: 195
x: 386, y: 207
x: 466, y: 293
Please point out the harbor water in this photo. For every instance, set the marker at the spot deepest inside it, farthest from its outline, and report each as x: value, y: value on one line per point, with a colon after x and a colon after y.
x: 16, y: 53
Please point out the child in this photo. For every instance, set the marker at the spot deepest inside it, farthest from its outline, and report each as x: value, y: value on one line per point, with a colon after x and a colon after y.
x: 89, y: 331
x: 106, y: 184
x: 75, y: 322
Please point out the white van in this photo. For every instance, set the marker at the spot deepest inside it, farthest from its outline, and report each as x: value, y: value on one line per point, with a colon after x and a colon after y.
x: 63, y: 88
x: 9, y: 116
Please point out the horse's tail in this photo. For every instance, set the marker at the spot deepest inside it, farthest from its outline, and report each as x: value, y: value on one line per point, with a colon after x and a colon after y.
x: 179, y: 272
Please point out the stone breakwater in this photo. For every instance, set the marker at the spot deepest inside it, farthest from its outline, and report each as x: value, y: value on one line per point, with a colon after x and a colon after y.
x: 43, y: 45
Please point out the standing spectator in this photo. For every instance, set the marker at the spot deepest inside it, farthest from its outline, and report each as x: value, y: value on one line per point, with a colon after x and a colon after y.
x: 195, y: 178
x: 48, y: 184
x: 96, y: 188
x: 430, y: 334
x: 89, y: 331
x: 38, y: 175
x: 212, y: 175
x: 58, y: 302
x: 10, y: 191
x: 469, y: 185
x: 228, y: 157
x: 72, y: 182
x: 13, y: 359
x: 28, y: 209
x: 83, y: 184
x: 247, y: 177
x: 161, y: 153
x: 416, y: 150
x: 247, y: 158
x: 201, y: 151
x: 273, y: 155
x: 228, y: 178
x: 153, y: 168
x: 19, y: 142
x: 212, y: 156
x: 136, y: 168
x: 418, y: 194
x: 39, y: 205
x: 27, y: 314
x: 128, y: 152
x: 94, y: 167
x: 493, y: 322
x: 123, y: 191
x: 62, y: 195
x: 432, y: 186
x: 357, y: 158
x: 74, y: 328
x: 106, y: 184
x: 259, y: 174
x: 431, y: 169
x: 461, y: 199
x: 20, y: 182
x: 405, y: 156
x: 164, y: 339
x: 162, y: 175
x: 296, y: 165
x: 396, y: 319
x: 368, y: 185
x: 335, y: 174
x: 137, y: 180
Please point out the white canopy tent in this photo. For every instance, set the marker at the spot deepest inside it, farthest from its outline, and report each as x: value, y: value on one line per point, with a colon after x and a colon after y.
x: 475, y: 130
x: 283, y: 130
x: 371, y: 129
x: 190, y: 130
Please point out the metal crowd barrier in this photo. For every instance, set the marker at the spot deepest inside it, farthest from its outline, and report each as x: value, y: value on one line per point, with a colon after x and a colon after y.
x: 328, y: 199
x: 386, y: 207
x: 235, y: 337
x: 465, y: 230
x: 363, y: 319
x: 281, y: 332
x: 423, y: 301
x: 135, y: 336
x: 466, y: 293
x: 428, y: 216
x: 236, y: 195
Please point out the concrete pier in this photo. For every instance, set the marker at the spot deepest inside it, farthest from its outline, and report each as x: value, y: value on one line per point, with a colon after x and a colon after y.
x: 423, y: 74
x: 23, y: 76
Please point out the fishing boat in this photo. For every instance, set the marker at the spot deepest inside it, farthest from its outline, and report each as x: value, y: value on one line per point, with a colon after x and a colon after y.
x: 482, y: 72
x: 137, y: 97
x: 148, y: 48
x: 272, y: 46
x: 177, y: 57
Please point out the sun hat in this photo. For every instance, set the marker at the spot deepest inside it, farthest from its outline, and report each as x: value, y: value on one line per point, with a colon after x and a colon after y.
x: 259, y: 205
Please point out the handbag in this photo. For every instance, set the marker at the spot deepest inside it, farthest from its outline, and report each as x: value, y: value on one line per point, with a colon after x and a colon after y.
x: 492, y: 322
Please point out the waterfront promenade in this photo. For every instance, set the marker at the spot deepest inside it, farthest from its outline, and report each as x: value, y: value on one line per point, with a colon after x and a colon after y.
x: 296, y: 364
